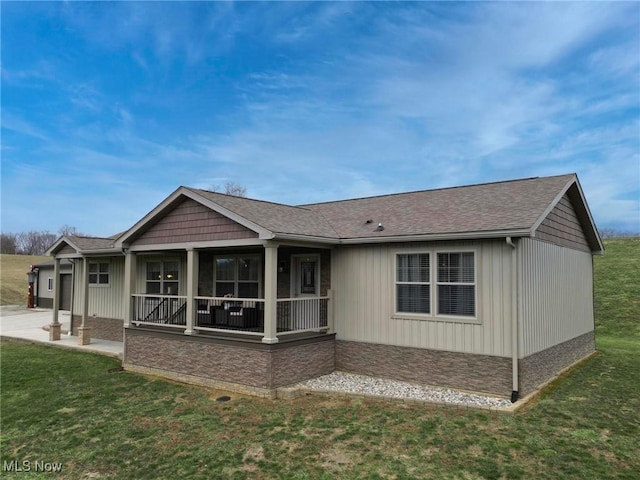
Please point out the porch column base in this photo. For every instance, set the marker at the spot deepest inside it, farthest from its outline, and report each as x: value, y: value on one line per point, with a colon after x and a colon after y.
x: 84, y: 335
x: 54, y: 331
x: 270, y: 340
x: 191, y: 332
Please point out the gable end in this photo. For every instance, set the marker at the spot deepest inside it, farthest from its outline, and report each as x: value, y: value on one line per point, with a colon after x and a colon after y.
x: 190, y: 221
x: 562, y: 227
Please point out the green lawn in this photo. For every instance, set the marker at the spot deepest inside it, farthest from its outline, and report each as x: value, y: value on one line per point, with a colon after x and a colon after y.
x: 64, y: 406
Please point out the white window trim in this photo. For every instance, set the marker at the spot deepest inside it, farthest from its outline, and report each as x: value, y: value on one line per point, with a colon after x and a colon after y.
x: 99, y: 285
x: 434, y: 316
x: 236, y: 282
x: 50, y: 284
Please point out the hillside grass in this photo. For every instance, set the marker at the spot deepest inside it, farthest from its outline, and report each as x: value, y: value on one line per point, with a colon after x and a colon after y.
x: 13, y: 277
x: 65, y: 406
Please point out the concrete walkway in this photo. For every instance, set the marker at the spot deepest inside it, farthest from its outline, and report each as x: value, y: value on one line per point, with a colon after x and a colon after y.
x: 29, y: 325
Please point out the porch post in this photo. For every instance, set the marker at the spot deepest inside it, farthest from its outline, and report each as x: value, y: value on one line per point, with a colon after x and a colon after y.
x: 130, y: 275
x: 84, y: 332
x: 330, y: 323
x: 192, y: 286
x: 54, y: 328
x: 270, y: 293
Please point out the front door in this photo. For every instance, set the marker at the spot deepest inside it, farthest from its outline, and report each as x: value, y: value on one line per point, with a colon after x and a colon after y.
x: 305, y: 286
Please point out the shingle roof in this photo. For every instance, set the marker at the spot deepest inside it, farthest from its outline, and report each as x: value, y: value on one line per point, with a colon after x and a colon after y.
x: 491, y: 207
x: 92, y: 243
x: 510, y: 205
x: 275, y: 217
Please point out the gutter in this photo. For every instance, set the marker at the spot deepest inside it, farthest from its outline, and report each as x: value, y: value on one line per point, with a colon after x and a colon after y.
x: 514, y: 321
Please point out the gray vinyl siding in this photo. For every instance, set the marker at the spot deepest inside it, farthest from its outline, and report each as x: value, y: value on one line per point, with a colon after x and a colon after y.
x: 104, y: 301
x: 190, y: 221
x: 363, y: 280
x: 563, y: 227
x: 556, y: 299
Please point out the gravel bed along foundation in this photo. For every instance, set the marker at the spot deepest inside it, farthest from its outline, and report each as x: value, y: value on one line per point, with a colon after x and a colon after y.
x: 361, y: 384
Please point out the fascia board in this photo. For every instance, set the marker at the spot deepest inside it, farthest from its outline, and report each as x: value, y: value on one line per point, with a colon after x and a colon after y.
x: 186, y: 192
x: 552, y: 205
x: 583, y: 206
x: 244, y: 242
x: 525, y: 232
x: 261, y: 231
x: 58, y: 242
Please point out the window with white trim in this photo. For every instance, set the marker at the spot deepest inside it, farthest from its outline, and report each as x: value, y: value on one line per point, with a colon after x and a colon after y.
x: 456, y: 284
x: 237, y: 275
x: 50, y: 284
x: 413, y: 286
x: 163, y: 277
x: 99, y: 273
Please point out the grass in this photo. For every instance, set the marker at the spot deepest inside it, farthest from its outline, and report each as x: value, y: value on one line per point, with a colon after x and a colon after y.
x: 13, y: 277
x: 65, y: 406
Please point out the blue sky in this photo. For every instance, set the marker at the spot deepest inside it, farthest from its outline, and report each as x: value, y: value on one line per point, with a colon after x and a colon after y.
x: 108, y: 107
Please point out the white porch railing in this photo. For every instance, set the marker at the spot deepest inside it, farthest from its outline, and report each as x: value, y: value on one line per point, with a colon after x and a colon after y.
x: 166, y: 310
x: 305, y: 314
x: 240, y: 315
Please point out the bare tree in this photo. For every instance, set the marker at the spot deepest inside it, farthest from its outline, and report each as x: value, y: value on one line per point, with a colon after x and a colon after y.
x: 33, y: 242
x: 70, y: 230
x: 8, y: 243
x: 231, y: 188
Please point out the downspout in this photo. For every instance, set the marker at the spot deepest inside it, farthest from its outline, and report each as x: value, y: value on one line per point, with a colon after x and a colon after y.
x: 514, y: 321
x: 73, y: 288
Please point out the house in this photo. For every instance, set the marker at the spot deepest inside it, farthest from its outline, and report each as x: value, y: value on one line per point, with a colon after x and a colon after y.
x: 485, y: 287
x: 44, y: 284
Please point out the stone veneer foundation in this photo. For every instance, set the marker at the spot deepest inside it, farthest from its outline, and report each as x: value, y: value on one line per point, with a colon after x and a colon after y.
x: 480, y: 373
x: 102, y: 328
x: 244, y: 366
x: 542, y: 366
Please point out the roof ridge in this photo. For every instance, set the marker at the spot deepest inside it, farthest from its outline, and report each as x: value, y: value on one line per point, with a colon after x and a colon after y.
x: 435, y: 189
x: 301, y: 207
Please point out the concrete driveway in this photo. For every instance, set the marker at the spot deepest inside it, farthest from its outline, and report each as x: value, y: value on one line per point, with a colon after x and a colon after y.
x: 27, y: 324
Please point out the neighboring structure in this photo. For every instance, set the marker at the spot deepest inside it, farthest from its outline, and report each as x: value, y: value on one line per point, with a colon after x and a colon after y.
x: 44, y: 285
x: 485, y: 287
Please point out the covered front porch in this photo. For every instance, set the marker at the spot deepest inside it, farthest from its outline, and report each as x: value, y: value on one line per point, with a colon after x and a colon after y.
x: 268, y: 294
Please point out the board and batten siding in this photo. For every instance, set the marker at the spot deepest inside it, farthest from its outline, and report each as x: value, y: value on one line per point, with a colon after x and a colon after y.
x: 363, y: 280
x: 104, y: 301
x: 190, y: 221
x: 556, y: 295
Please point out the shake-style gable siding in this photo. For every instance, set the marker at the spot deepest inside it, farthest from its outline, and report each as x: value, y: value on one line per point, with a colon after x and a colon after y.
x: 190, y: 221
x: 556, y: 295
x: 562, y: 227
x: 364, y: 282
x: 67, y: 249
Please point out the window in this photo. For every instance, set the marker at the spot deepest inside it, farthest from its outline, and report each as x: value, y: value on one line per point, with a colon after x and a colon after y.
x: 237, y: 275
x: 99, y: 274
x: 456, y: 284
x: 413, y: 288
x: 163, y: 277
x: 445, y: 286
x: 50, y: 284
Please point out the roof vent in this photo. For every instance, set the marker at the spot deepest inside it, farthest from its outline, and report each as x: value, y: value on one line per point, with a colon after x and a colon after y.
x: 380, y: 228
x: 369, y: 221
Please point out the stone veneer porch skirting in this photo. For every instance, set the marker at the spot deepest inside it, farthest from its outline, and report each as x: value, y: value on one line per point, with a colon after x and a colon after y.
x: 243, y: 366
x: 103, y: 328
